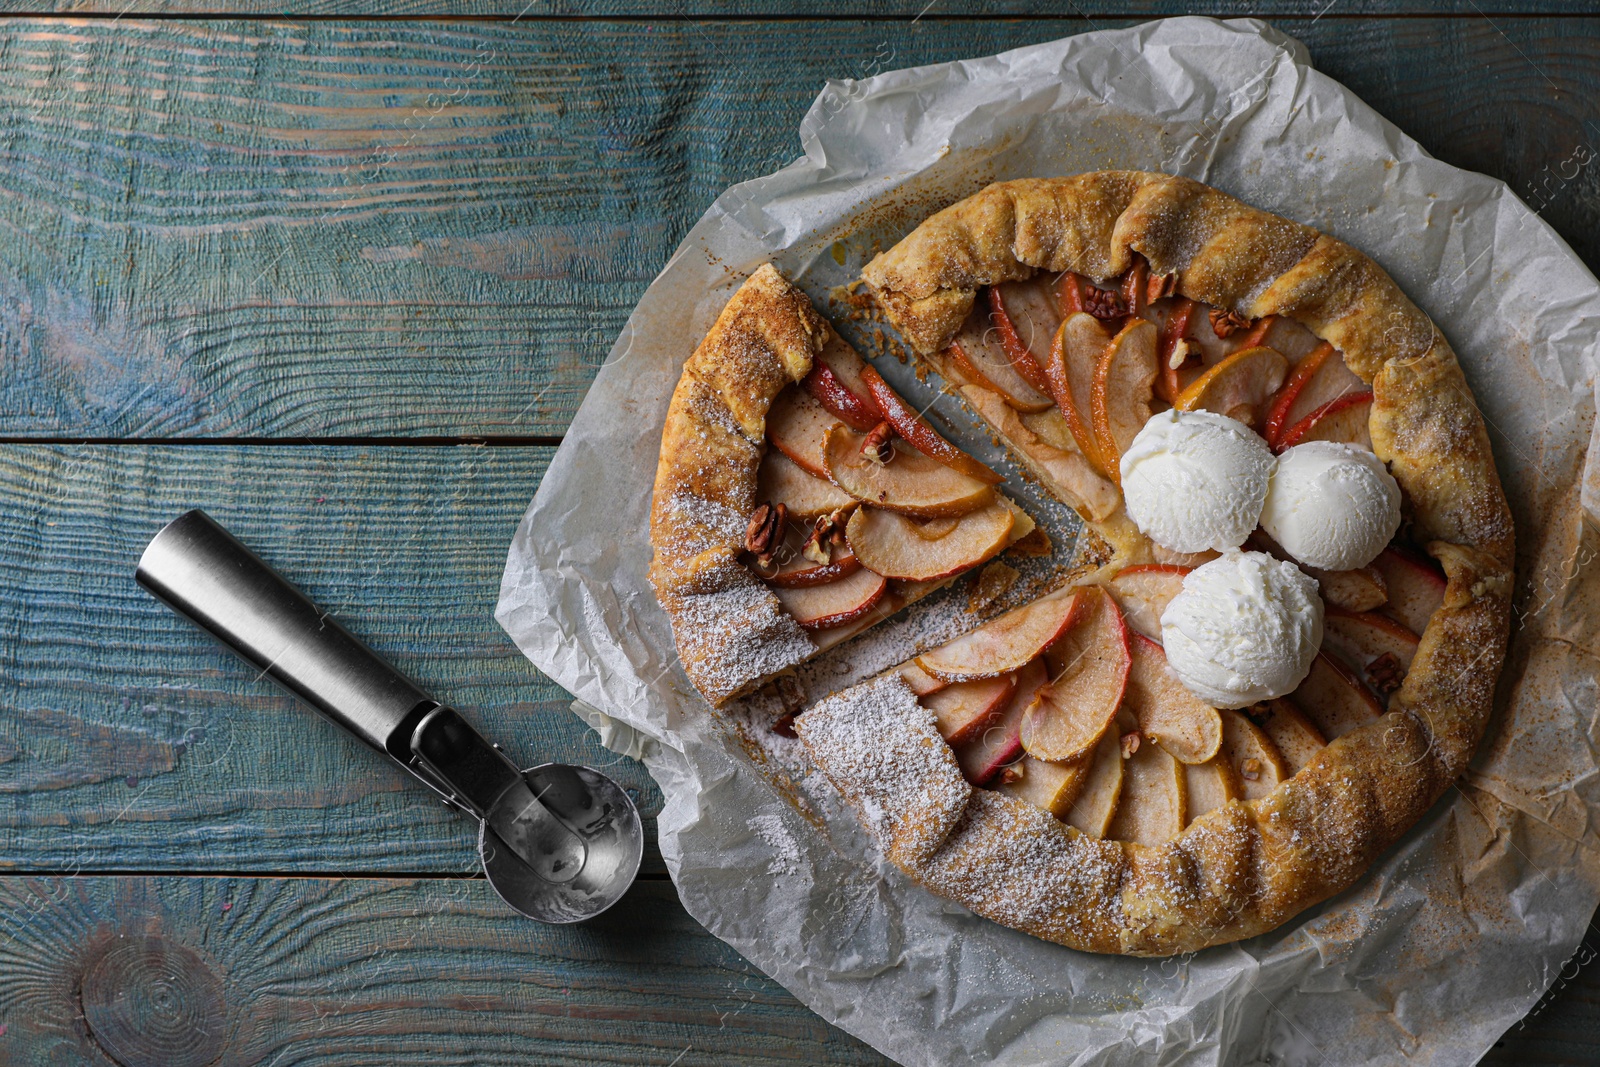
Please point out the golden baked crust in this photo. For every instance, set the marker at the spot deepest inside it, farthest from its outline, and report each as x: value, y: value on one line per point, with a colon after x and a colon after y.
x: 732, y: 633
x: 1247, y: 866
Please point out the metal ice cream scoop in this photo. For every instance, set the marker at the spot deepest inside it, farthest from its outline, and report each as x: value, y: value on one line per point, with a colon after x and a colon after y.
x: 559, y: 843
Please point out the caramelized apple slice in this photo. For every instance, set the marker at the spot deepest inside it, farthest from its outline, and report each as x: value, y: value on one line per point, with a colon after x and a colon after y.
x: 821, y: 607
x: 1088, y: 677
x: 798, y: 427
x: 910, y: 482
x: 1283, y: 401
x: 1166, y: 712
x: 1098, y: 800
x: 1378, y: 648
x: 964, y: 710
x: 1052, y: 787
x: 1152, y: 809
x: 807, y: 496
x: 826, y: 388
x: 1074, y: 358
x: 894, y: 546
x: 924, y: 438
x: 1345, y: 420
x: 986, y: 364
x: 1122, y: 390
x: 1321, y: 377
x: 1000, y: 742
x: 921, y: 682
x: 1026, y: 315
x: 799, y: 572
x: 1415, y: 585
x: 1143, y: 593
x: 1252, y: 754
x: 1238, y: 387
x: 1292, y: 734
x: 1334, y: 699
x: 841, y: 359
x: 1209, y: 785
x: 1360, y: 589
x: 1064, y: 470
x: 1173, y: 353
x: 1006, y: 643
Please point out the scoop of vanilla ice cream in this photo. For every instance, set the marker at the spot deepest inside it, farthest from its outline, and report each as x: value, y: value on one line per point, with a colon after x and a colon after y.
x: 1331, y: 506
x: 1194, y: 480
x: 1244, y: 629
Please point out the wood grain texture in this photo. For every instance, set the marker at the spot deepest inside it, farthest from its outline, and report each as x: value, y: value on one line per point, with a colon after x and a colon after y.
x: 191, y: 972
x: 129, y: 741
x: 289, y: 229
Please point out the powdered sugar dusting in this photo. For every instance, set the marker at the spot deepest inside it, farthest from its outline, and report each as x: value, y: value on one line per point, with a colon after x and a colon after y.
x: 881, y: 750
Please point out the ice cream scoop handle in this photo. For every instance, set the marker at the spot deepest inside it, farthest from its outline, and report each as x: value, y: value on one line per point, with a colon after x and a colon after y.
x: 202, y: 572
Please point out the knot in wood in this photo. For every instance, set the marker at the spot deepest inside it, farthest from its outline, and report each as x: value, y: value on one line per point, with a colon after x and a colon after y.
x: 151, y: 1003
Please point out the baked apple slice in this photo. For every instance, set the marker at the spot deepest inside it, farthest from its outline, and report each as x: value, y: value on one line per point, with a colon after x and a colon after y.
x: 1360, y: 589
x: 1250, y: 752
x: 799, y: 572
x: 964, y: 710
x: 1052, y: 787
x: 1174, y: 353
x: 1283, y: 335
x: 822, y: 607
x: 1208, y: 786
x: 798, y: 426
x: 1004, y: 644
x: 1063, y: 469
x: 841, y: 359
x: 807, y: 496
x: 1345, y: 420
x: 1334, y: 699
x: 1378, y: 648
x: 1164, y: 708
x: 826, y: 388
x: 1025, y: 316
x: 1319, y: 378
x: 921, y: 682
x: 909, y: 483
x: 1153, y: 809
x: 1143, y: 593
x: 921, y: 436
x: 1101, y: 794
x: 897, y: 547
x: 1000, y: 742
x: 1088, y: 677
x: 1415, y: 585
x: 1122, y: 390
x: 1240, y: 387
x: 1070, y: 368
x: 978, y: 361
x: 1292, y: 734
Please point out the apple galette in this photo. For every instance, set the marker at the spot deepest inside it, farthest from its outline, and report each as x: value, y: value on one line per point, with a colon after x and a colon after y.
x: 1293, y: 651
x: 799, y: 500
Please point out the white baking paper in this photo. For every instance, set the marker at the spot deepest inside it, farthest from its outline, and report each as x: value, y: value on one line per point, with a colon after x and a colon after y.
x: 1451, y: 937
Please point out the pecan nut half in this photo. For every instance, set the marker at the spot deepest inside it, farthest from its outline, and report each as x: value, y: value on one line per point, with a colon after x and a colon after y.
x: 764, y: 535
x: 1225, y: 323
x: 1386, y: 673
x: 879, y: 445
x: 1104, y: 303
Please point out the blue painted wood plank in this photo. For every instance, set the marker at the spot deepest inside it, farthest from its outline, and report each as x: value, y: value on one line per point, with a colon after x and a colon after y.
x: 284, y: 229
x: 129, y: 741
x: 228, y: 971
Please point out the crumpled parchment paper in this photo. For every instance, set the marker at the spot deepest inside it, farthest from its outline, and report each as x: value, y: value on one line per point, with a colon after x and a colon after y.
x: 1455, y: 933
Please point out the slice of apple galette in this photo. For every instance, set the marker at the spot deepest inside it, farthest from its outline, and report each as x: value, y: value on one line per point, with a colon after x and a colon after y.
x: 1293, y: 651
x: 799, y: 500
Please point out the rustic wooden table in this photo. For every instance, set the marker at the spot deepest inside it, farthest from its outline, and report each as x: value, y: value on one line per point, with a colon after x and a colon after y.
x: 342, y: 281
